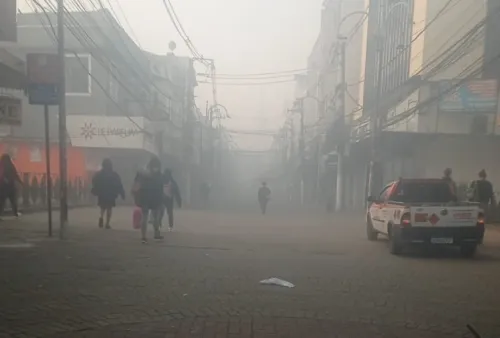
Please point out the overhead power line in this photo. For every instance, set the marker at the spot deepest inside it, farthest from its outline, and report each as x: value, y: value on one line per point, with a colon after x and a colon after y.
x: 418, y: 35
x: 106, y: 92
x: 182, y: 32
x: 282, y: 72
x: 249, y: 83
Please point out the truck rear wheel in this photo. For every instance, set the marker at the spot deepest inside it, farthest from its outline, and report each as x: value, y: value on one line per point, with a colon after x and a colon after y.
x: 370, y: 231
x: 468, y: 250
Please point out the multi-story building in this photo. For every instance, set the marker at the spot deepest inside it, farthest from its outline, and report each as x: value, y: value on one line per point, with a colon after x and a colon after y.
x: 12, y: 73
x: 423, y: 73
x: 342, y: 24
x: 117, y: 105
x: 432, y: 84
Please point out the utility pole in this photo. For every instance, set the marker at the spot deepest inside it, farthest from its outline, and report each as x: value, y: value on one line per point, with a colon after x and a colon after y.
x: 374, y: 171
x: 340, y: 147
x: 63, y: 161
x: 300, y: 102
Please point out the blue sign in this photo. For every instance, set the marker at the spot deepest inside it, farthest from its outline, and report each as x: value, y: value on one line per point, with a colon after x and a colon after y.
x: 43, y: 94
x: 474, y: 96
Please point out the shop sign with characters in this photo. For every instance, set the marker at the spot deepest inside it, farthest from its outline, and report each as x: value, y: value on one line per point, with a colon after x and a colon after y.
x: 107, y: 132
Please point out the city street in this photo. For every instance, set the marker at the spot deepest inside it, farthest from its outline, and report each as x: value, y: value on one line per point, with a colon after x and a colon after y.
x: 203, y: 280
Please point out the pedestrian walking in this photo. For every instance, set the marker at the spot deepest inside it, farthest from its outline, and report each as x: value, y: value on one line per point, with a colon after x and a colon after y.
x: 448, y: 179
x: 9, y: 181
x: 107, y: 186
x: 481, y: 191
x: 264, y: 195
x: 171, y: 194
x: 148, y: 195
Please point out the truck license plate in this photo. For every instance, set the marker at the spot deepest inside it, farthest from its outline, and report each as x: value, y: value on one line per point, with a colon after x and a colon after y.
x: 442, y: 240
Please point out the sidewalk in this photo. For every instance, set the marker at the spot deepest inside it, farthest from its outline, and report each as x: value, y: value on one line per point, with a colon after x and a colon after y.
x: 202, y: 281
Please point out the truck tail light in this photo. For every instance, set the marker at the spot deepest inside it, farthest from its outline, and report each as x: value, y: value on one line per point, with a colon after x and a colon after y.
x: 406, y: 219
x: 480, y: 218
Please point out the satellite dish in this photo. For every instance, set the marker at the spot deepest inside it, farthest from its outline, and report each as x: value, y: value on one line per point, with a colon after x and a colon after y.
x: 172, y: 45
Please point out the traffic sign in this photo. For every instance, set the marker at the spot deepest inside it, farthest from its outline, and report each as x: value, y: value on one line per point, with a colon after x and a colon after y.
x: 43, y: 78
x: 43, y: 94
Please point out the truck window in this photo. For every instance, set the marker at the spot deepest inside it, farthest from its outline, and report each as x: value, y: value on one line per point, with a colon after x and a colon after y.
x: 423, y: 192
x: 384, y: 194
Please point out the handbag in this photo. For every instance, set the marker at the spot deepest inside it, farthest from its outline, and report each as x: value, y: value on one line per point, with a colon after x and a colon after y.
x: 137, y: 218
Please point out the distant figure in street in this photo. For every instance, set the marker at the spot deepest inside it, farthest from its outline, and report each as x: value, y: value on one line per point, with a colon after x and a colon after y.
x: 448, y: 179
x: 9, y: 179
x: 263, y: 196
x: 148, y: 195
x: 171, y: 193
x: 107, y: 186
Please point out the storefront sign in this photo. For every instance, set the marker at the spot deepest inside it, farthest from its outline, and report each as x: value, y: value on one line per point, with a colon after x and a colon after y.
x: 474, y: 96
x: 118, y: 132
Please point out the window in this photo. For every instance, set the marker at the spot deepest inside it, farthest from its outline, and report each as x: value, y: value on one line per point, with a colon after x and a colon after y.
x: 384, y: 195
x: 419, y: 192
x: 78, y: 80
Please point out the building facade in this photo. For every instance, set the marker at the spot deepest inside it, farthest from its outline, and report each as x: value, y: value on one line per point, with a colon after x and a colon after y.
x: 441, y: 108
x: 424, y: 73
x: 117, y: 106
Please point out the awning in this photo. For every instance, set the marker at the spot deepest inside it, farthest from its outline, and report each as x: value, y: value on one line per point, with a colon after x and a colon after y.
x: 12, y: 70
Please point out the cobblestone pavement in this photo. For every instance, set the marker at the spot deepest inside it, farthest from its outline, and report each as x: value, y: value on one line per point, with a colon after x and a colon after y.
x: 203, y: 281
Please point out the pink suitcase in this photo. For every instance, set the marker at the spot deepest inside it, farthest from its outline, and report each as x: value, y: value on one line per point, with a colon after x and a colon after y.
x: 137, y: 218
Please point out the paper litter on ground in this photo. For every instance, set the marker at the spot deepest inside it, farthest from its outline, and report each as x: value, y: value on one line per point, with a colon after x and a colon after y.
x: 277, y: 281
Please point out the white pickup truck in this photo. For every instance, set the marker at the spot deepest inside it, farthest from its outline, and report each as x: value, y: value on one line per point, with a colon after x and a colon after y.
x: 424, y: 211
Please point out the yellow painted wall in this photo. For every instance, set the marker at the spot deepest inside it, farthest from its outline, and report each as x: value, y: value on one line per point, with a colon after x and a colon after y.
x: 457, y: 19
x: 420, y: 20
x: 362, y: 69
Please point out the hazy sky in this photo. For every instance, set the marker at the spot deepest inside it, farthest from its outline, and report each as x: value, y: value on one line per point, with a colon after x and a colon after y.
x: 242, y: 36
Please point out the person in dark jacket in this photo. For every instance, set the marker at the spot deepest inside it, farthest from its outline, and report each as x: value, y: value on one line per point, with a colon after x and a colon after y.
x: 448, y: 179
x: 148, y: 194
x: 482, y: 192
x: 9, y: 178
x: 107, y: 186
x: 171, y: 193
x: 263, y: 196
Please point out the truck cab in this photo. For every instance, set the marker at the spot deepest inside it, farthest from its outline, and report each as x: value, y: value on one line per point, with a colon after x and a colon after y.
x: 424, y: 211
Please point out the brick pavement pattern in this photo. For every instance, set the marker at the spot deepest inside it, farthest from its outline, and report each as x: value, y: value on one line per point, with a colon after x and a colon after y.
x: 203, y: 281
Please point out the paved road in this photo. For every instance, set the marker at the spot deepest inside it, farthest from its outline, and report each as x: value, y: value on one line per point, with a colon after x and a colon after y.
x: 203, y: 281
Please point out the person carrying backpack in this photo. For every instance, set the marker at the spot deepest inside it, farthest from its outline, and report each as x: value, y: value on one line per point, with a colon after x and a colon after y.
x: 171, y: 194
